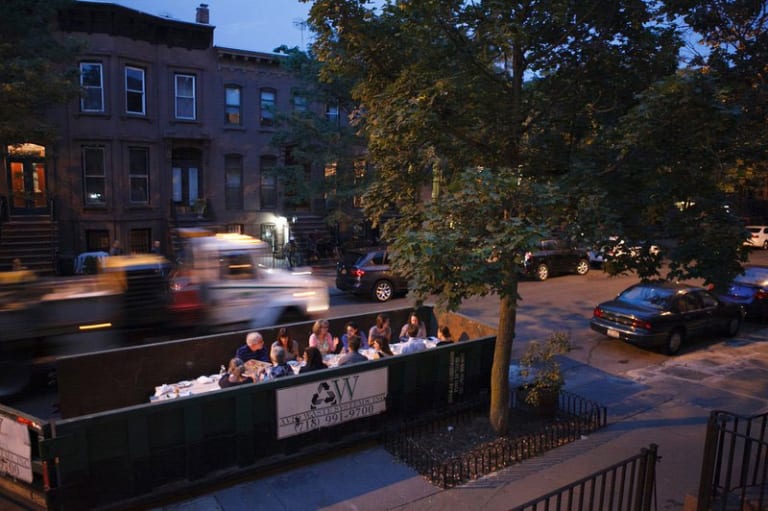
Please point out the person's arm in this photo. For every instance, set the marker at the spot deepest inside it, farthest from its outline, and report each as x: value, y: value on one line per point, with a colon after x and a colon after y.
x: 313, y: 341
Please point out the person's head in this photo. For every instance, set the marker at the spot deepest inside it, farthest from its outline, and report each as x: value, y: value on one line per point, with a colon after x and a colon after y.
x: 313, y: 357
x: 254, y: 340
x: 380, y: 343
x: 320, y: 327
x: 444, y: 333
x: 235, y: 364
x: 413, y: 330
x: 352, y: 328
x: 413, y: 319
x: 382, y: 320
x: 277, y: 355
x: 283, y: 336
x: 353, y: 342
x: 156, y: 244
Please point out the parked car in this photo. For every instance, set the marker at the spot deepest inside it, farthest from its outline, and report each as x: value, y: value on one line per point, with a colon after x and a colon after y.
x: 366, y: 271
x: 555, y: 257
x: 758, y: 236
x: 750, y: 290
x: 665, y: 315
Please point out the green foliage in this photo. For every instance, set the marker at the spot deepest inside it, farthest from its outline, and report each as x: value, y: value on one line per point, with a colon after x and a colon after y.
x: 540, y: 369
x: 36, y: 70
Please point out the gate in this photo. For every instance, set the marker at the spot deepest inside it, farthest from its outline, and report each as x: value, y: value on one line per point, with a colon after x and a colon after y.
x: 627, y: 485
x: 734, y: 469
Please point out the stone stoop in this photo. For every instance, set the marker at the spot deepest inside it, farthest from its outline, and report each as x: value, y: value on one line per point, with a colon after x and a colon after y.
x: 33, y: 240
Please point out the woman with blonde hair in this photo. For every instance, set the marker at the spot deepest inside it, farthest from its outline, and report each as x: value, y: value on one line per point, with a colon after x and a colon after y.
x: 321, y: 338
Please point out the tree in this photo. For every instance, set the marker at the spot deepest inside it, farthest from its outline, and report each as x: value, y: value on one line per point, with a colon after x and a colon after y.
x: 309, y: 137
x: 33, y: 69
x: 520, y: 114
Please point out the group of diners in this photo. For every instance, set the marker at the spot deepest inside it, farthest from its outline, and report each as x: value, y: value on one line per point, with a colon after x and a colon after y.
x: 276, y: 361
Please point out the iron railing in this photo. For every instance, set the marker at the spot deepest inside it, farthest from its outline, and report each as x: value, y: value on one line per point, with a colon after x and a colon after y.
x: 734, y: 470
x: 576, y: 416
x: 627, y: 485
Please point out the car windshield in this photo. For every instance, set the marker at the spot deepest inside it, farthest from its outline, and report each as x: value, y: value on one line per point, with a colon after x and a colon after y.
x: 755, y: 276
x: 648, y: 296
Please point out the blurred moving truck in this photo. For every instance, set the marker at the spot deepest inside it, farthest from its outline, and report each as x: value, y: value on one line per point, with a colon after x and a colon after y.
x: 225, y: 281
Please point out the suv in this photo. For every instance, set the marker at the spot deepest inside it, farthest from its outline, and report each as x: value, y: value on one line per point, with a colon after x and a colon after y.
x: 366, y: 271
x: 554, y: 256
x: 758, y: 236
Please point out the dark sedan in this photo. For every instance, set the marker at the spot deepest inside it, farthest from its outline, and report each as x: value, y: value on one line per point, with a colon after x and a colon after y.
x: 665, y: 315
x: 750, y: 291
x: 366, y: 271
x: 553, y: 257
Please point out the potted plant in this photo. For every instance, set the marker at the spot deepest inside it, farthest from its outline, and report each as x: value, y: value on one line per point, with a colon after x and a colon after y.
x: 540, y: 373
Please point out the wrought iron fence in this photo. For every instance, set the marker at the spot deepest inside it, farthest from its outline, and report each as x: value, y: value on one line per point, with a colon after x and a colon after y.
x: 734, y: 471
x: 575, y: 417
x: 627, y: 485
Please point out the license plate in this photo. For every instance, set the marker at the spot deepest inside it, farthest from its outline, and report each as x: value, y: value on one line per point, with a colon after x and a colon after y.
x: 613, y: 333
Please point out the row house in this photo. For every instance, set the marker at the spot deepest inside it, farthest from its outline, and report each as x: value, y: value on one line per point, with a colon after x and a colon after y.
x: 170, y: 131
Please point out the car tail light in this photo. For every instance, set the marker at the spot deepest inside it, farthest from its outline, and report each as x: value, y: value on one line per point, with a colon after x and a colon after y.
x: 598, y: 312
x: 761, y: 294
x: 638, y: 323
x: 357, y: 272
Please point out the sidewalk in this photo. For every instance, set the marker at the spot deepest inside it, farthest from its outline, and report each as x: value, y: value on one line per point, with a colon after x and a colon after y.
x: 667, y: 404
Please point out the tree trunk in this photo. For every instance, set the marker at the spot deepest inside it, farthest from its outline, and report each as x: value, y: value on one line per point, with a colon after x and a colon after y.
x: 499, y: 413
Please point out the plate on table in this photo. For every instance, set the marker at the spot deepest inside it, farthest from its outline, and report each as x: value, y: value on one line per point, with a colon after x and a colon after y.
x: 184, y: 384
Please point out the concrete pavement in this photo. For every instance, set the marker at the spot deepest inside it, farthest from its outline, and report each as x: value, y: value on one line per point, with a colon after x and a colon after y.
x: 667, y: 404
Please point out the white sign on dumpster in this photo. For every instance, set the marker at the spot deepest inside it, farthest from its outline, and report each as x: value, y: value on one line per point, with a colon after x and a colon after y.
x: 15, y: 450
x: 325, y: 403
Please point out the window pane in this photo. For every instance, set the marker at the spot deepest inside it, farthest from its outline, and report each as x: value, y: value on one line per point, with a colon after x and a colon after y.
x: 232, y: 107
x: 138, y: 168
x: 134, y: 90
x: 267, y: 107
x: 176, y: 184
x: 185, y: 97
x: 93, y: 90
x: 233, y: 182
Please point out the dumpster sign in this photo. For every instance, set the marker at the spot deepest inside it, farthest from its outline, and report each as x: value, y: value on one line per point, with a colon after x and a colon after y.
x: 15, y: 450
x: 322, y: 404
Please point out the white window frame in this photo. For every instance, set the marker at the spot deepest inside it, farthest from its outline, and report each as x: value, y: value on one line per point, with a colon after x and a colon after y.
x: 185, y: 96
x: 141, y: 74
x: 92, y: 90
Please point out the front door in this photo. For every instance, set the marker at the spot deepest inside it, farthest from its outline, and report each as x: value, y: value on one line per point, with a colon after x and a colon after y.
x: 27, y: 177
x: 187, y: 179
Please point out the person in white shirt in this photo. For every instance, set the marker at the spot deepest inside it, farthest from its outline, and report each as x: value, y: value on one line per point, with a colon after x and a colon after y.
x: 413, y: 343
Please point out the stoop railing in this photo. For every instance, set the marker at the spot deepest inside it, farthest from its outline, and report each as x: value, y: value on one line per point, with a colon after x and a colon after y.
x: 624, y: 486
x: 734, y: 469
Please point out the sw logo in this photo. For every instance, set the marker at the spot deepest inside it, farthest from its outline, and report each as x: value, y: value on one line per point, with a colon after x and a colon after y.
x: 331, y: 394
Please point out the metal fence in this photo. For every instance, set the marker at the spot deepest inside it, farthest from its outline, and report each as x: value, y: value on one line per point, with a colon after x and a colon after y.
x: 734, y: 471
x: 627, y: 485
x: 576, y: 417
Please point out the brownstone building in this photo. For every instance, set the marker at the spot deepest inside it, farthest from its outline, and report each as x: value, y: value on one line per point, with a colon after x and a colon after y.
x: 170, y: 131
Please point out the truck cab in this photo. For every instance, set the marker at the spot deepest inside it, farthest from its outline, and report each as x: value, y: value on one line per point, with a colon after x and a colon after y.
x: 225, y: 281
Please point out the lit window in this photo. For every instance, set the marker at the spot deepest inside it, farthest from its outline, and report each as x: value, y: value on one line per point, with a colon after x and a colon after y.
x: 94, y: 176
x: 232, y: 108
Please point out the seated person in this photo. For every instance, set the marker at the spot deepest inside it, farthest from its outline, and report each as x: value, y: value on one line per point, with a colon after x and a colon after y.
x: 413, y: 342
x: 352, y: 356
x: 444, y: 336
x: 234, y: 375
x: 352, y: 329
x: 381, y: 328
x: 313, y: 360
x: 279, y: 367
x: 253, y: 349
x: 321, y: 338
x: 381, y: 345
x: 413, y: 319
x: 291, y: 346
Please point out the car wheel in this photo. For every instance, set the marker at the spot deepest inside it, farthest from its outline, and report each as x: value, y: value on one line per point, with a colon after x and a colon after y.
x: 583, y: 267
x: 733, y: 327
x: 383, y: 291
x: 542, y: 272
x: 674, y: 342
